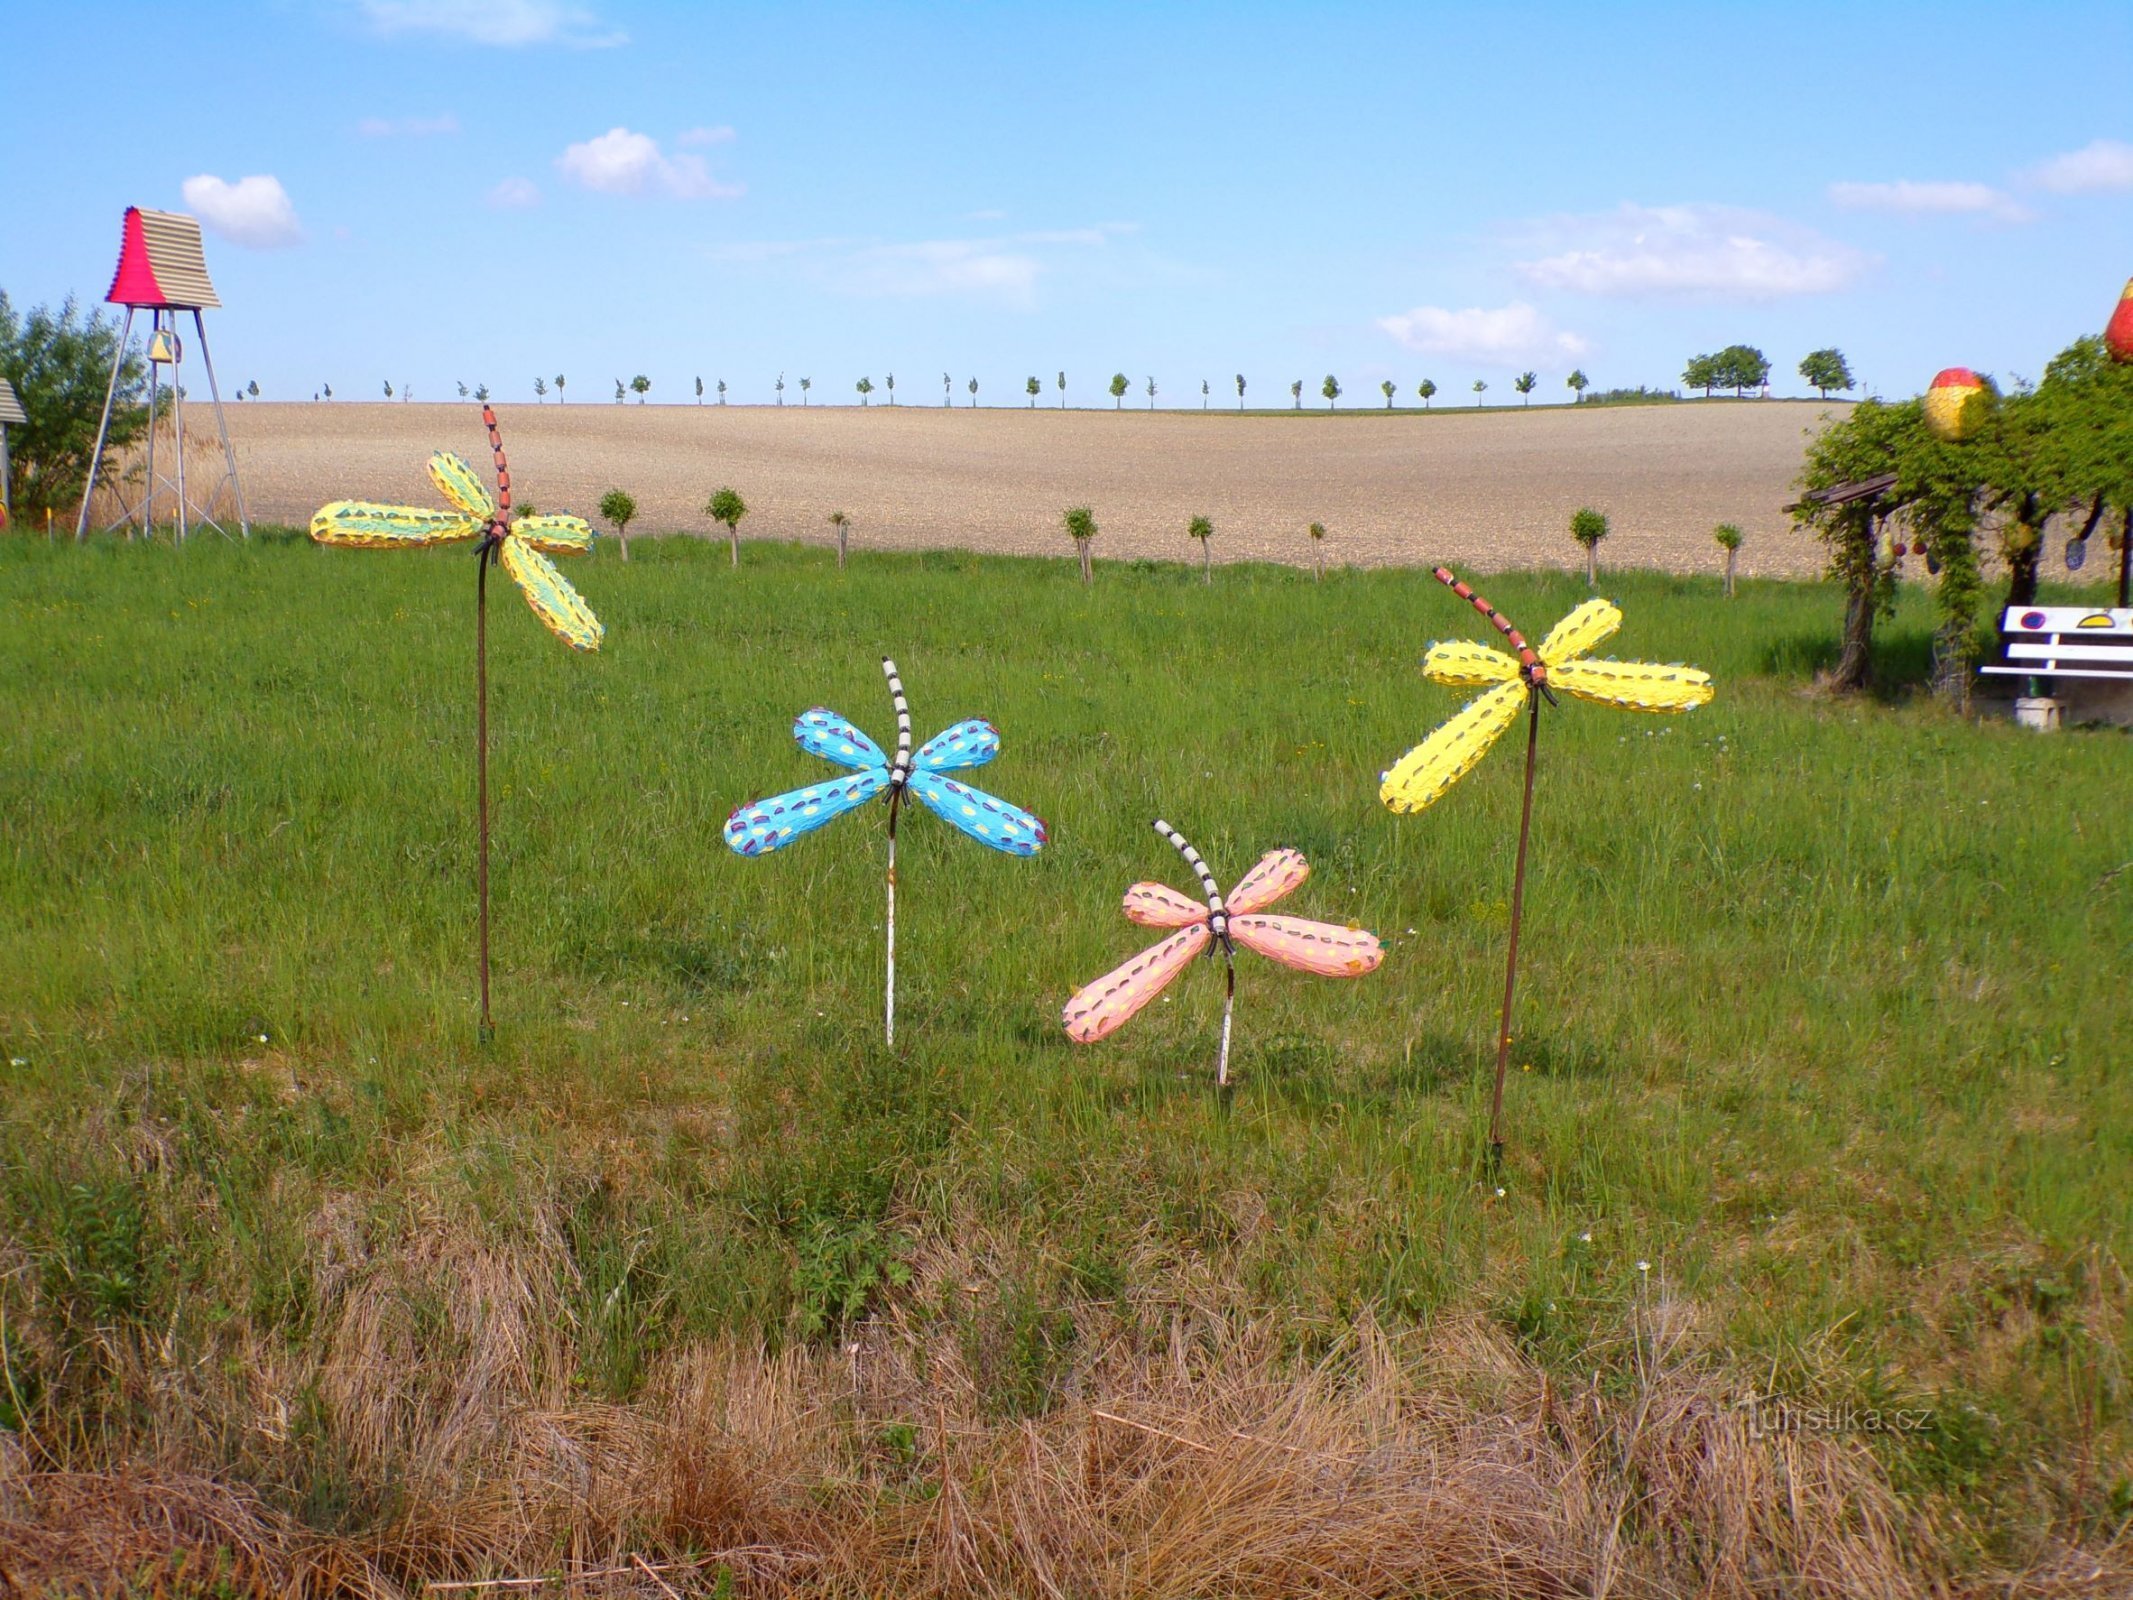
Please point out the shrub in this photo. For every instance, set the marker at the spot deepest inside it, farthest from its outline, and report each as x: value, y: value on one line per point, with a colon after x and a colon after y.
x: 1589, y: 527
x: 59, y: 364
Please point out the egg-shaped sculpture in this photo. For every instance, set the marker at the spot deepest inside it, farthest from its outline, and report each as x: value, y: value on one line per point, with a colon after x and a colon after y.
x: 1956, y: 404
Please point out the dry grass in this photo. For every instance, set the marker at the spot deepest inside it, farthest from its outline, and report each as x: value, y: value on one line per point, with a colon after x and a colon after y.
x: 1186, y: 1455
x: 1484, y: 489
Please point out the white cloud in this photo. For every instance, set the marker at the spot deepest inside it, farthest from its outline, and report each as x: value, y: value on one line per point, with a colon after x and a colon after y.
x: 514, y: 194
x: 1006, y: 267
x: 1909, y: 199
x: 622, y: 162
x: 697, y: 138
x: 254, y: 212
x: 2099, y: 167
x: 407, y: 127
x: 1689, y: 251
x: 1507, y: 334
x: 496, y: 22
x: 940, y: 266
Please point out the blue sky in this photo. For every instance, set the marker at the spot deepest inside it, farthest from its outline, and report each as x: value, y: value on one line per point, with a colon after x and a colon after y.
x: 439, y: 191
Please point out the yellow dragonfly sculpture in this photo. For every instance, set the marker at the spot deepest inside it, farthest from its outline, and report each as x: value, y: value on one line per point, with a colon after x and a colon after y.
x: 521, y: 546
x: 1515, y: 683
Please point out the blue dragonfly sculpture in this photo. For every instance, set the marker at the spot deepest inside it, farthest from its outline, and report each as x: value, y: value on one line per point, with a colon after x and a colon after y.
x: 762, y: 826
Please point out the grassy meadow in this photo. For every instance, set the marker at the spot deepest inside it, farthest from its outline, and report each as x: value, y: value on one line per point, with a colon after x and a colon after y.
x: 1813, y: 1097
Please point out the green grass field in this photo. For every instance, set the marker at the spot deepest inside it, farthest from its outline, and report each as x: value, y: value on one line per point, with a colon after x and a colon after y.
x: 1821, y: 1018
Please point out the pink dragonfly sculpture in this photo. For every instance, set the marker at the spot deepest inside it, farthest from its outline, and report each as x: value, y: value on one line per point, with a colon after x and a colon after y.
x: 1101, y: 1008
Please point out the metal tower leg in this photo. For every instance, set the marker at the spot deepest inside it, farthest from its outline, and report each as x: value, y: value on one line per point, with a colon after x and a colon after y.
x: 155, y: 380
x: 103, y: 427
x: 177, y: 424
x: 229, y: 456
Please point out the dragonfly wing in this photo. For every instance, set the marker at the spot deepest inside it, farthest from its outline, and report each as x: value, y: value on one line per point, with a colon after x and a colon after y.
x: 1103, y: 1007
x: 1157, y: 905
x: 1325, y: 948
x: 1584, y: 629
x: 772, y: 824
x: 1635, y: 685
x: 967, y: 744
x: 555, y: 535
x: 822, y: 732
x: 553, y: 600
x: 366, y: 526
x: 1279, y: 872
x: 455, y: 480
x: 1463, y: 664
x: 985, y: 818
x: 1449, y: 754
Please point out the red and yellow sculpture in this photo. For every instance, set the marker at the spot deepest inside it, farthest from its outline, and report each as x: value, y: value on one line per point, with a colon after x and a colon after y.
x: 2118, y: 332
x: 1956, y: 404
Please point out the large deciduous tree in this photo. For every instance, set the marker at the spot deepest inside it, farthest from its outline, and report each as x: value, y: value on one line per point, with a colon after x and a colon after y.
x: 60, y: 364
x: 1826, y: 370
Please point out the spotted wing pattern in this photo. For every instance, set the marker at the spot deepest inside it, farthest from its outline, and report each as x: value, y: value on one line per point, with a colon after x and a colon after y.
x: 1584, y: 629
x: 554, y: 534
x: 1462, y: 664
x: 1278, y: 873
x: 984, y: 817
x: 1157, y: 905
x: 967, y: 744
x: 772, y: 824
x: 822, y: 732
x: 363, y: 525
x: 1635, y: 685
x: 455, y: 480
x: 553, y: 600
x: 1320, y: 947
x: 1422, y: 775
x: 1101, y: 1008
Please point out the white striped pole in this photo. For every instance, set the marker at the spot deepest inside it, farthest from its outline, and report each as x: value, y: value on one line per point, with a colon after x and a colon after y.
x: 1218, y: 923
x: 898, y: 774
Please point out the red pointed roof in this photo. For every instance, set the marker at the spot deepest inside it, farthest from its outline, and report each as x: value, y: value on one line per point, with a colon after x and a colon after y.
x: 161, y: 264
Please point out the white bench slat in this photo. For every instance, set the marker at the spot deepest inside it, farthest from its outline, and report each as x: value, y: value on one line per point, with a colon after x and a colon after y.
x: 2122, y: 675
x: 2025, y: 650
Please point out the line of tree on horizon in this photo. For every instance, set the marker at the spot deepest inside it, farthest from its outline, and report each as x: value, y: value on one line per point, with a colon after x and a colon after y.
x: 1739, y: 367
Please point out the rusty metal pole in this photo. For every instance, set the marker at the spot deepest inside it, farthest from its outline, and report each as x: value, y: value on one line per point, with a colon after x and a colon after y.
x: 481, y: 767
x: 1518, y: 906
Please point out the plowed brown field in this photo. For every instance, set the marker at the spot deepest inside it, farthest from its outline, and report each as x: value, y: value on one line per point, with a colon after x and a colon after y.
x: 1486, y: 489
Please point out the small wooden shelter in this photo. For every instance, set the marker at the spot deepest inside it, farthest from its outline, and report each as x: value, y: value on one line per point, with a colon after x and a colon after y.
x: 10, y: 411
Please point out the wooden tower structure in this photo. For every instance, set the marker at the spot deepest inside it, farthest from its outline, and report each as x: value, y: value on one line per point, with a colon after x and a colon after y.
x: 163, y: 271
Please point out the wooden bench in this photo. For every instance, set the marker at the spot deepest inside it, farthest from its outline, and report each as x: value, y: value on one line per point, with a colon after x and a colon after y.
x: 2078, y: 661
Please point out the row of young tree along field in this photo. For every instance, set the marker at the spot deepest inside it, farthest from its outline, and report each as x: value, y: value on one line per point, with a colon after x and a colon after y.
x: 2043, y: 464
x: 1738, y: 367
